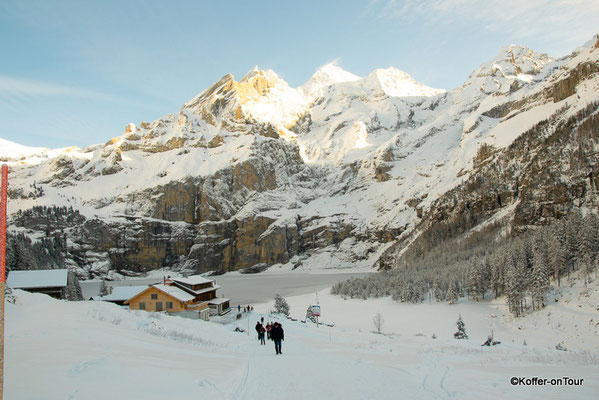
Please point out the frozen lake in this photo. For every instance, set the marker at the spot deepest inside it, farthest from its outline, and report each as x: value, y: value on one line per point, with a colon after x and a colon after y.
x: 250, y: 288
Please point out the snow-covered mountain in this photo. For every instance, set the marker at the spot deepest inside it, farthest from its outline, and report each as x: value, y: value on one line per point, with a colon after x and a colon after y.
x: 253, y: 173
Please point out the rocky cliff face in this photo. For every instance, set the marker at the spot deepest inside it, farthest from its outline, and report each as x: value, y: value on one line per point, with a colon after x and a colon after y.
x: 333, y: 174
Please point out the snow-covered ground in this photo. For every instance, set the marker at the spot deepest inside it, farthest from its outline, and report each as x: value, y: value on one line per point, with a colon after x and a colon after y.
x: 91, y: 350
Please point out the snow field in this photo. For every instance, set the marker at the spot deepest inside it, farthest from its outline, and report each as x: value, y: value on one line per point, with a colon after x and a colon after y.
x: 92, y: 350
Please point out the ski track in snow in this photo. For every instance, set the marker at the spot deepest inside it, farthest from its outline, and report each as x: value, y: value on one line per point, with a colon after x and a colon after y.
x: 309, y: 356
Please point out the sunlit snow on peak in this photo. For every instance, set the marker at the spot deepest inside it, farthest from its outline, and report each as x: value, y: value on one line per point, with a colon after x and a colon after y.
x: 325, y: 76
x: 397, y: 83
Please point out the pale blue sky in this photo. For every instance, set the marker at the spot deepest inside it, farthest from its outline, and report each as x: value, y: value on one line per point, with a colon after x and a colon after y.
x: 76, y: 72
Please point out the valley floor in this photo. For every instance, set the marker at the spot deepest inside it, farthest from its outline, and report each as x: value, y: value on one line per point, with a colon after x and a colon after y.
x: 92, y: 350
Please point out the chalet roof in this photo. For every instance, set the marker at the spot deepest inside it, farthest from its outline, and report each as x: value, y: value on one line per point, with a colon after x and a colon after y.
x: 193, y: 280
x: 122, y: 293
x: 37, y: 279
x: 175, y: 292
x: 218, y: 300
x: 196, y: 292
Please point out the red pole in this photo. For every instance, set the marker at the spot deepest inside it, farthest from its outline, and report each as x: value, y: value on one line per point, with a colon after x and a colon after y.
x: 2, y: 270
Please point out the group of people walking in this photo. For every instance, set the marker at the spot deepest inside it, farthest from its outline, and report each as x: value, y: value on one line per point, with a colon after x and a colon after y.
x: 273, y: 332
x: 245, y: 309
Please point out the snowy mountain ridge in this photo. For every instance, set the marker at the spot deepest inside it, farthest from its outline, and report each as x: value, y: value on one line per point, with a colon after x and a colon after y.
x: 255, y: 172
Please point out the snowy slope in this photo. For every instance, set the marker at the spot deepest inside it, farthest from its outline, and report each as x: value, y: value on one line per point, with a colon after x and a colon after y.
x: 14, y: 150
x: 91, y: 350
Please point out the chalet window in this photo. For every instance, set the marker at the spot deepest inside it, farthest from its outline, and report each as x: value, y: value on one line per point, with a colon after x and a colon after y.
x: 159, y: 306
x: 169, y: 304
x: 154, y: 297
x: 142, y: 306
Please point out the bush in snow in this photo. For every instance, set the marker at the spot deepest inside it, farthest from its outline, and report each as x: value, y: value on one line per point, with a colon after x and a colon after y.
x: 561, y: 347
x: 461, y: 333
x: 490, y: 341
x: 9, y: 296
x: 281, y: 305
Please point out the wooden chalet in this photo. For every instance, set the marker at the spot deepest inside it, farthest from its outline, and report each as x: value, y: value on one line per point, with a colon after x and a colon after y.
x: 194, y: 294
x: 205, y: 289
x: 52, y: 282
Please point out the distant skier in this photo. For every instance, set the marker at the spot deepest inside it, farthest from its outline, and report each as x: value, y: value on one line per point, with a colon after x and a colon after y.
x: 278, y: 335
x: 239, y: 307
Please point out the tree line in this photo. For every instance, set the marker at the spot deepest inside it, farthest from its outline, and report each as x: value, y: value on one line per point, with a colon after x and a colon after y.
x: 489, y: 263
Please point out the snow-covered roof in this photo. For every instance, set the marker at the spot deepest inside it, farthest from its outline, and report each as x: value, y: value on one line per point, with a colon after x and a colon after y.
x: 192, y: 280
x: 37, y: 279
x: 198, y: 292
x: 122, y: 293
x: 218, y: 300
x: 175, y: 292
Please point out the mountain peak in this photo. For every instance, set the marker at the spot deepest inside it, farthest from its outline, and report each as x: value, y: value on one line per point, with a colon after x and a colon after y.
x: 325, y: 76
x: 397, y: 83
x: 513, y: 61
x: 333, y: 73
x: 250, y: 74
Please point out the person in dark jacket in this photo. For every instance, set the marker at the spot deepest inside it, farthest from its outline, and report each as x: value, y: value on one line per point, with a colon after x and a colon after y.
x: 260, y: 329
x: 277, y: 335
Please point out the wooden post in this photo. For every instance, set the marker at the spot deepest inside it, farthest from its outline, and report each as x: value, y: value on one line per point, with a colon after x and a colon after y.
x: 2, y: 270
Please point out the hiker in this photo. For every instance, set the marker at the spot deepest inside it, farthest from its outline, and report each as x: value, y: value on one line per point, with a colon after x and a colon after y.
x: 238, y: 307
x: 262, y: 320
x: 277, y: 334
x: 260, y: 329
x: 268, y: 328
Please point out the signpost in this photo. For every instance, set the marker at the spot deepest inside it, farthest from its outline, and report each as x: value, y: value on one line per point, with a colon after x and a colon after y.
x: 3, y: 190
x: 316, y: 312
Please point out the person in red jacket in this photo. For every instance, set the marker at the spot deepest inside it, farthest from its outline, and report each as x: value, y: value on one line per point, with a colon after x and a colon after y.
x: 268, y: 328
x: 277, y: 335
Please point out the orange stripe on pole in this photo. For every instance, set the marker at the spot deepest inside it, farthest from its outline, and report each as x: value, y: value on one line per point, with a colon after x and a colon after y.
x: 3, y: 190
x: 3, y: 223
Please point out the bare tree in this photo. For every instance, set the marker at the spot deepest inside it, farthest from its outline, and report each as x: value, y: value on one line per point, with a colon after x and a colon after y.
x: 378, y: 320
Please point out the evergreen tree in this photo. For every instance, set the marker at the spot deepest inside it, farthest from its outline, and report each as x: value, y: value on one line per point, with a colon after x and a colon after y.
x: 103, y: 288
x: 452, y: 293
x: 309, y: 315
x: 281, y: 305
x: 540, y: 273
x: 474, y: 280
x: 497, y: 263
x: 558, y: 256
x: 588, y: 266
x: 461, y: 333
x: 73, y: 290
